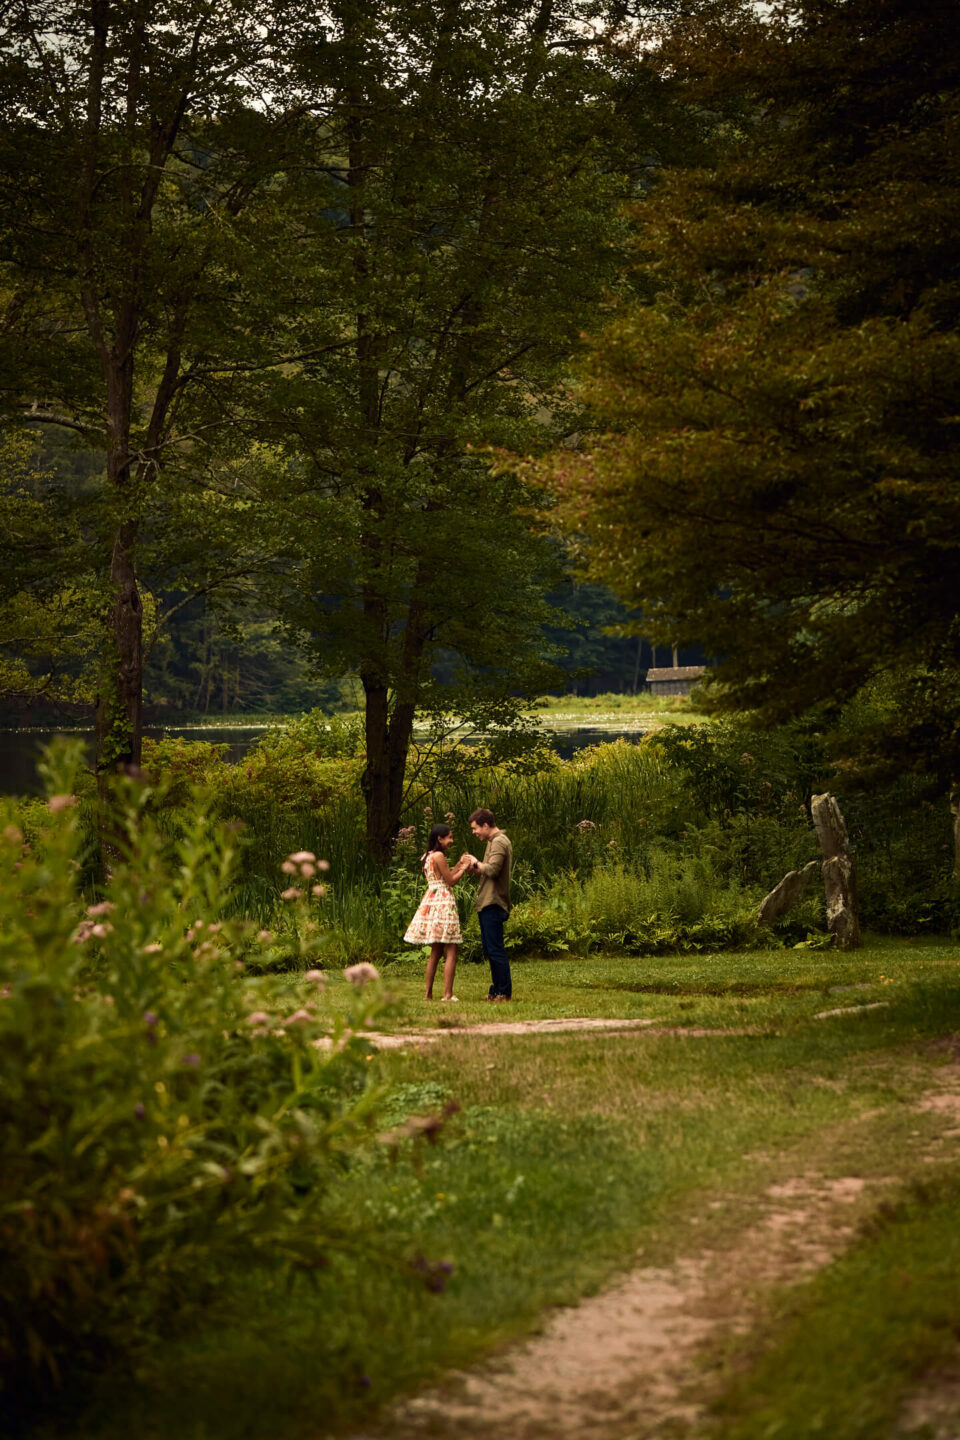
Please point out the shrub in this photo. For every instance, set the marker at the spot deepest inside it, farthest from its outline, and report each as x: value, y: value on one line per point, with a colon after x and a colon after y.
x: 157, y: 1122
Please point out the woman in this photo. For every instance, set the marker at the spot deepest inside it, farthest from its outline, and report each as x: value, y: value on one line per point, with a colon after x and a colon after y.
x: 436, y: 922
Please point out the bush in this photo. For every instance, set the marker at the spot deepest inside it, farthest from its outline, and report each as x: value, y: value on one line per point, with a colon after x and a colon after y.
x: 157, y: 1122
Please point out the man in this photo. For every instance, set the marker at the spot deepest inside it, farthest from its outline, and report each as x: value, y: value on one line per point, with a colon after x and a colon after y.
x: 493, y: 898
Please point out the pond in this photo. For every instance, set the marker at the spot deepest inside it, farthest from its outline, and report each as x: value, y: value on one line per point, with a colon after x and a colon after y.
x: 19, y: 749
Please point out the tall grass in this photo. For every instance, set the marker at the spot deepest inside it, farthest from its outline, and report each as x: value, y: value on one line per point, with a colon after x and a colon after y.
x: 691, y: 825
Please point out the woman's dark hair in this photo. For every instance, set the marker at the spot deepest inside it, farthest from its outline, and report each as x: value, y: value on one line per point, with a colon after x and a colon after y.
x: 437, y: 832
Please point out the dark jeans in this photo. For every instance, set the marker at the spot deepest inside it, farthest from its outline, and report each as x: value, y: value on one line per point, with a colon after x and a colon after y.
x: 491, y: 919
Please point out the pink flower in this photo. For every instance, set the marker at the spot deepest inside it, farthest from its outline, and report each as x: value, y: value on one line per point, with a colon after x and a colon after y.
x: 153, y: 949
x: 61, y: 802
x: 299, y: 1017
x: 449, y: 815
x: 301, y: 857
x: 318, y: 890
x: 585, y: 825
x: 360, y: 974
x: 102, y: 931
x: 103, y: 908
x: 258, y: 1017
x: 288, y: 867
x: 13, y: 834
x: 292, y: 893
x: 317, y: 975
x: 265, y: 936
x: 323, y: 865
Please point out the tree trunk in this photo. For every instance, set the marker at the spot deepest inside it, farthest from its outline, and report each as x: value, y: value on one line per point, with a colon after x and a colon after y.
x: 119, y: 703
x: 636, y: 667
x: 388, y: 743
x: 839, y: 872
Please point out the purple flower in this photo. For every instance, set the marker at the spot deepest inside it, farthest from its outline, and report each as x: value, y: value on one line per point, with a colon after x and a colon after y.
x: 140, y: 1110
x: 191, y: 1059
x: 149, y: 1018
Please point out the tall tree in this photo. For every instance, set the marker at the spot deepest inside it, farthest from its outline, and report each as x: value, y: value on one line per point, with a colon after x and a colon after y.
x: 773, y: 471
x: 454, y: 227
x: 137, y: 133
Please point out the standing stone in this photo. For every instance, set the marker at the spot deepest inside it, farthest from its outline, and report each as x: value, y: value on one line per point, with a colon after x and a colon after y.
x: 839, y: 874
x: 788, y: 893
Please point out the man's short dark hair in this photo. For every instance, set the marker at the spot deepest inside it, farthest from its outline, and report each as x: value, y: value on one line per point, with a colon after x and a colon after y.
x: 483, y: 817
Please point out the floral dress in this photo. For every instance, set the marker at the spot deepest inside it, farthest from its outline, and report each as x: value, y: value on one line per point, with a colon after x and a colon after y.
x: 436, y: 921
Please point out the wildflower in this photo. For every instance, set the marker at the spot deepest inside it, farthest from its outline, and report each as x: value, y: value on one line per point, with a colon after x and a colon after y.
x: 83, y: 932
x: 102, y: 931
x: 323, y: 865
x: 585, y: 825
x: 153, y: 948
x: 611, y: 844
x: 449, y: 815
x: 318, y: 890
x: 13, y: 834
x: 258, y: 1017
x: 746, y: 758
x: 427, y: 810
x: 317, y: 976
x: 57, y: 803
x: 103, y: 908
x: 265, y: 936
x: 291, y: 893
x: 149, y: 1017
x: 308, y: 871
x: 302, y: 857
x: 191, y: 1060
x: 126, y: 1194
x: 214, y: 928
x: 299, y: 1017
x: 140, y: 1110
x: 360, y: 974
x: 288, y: 867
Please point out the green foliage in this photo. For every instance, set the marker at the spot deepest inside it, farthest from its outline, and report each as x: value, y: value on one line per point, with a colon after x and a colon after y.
x: 160, y: 1123
x: 772, y: 468
x: 51, y: 614
x: 672, y: 840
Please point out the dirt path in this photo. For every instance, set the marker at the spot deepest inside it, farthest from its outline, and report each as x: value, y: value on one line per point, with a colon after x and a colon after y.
x: 629, y: 1364
x: 403, y: 1038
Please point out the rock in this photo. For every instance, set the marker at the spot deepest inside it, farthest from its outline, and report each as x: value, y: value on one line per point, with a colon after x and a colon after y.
x: 788, y: 893
x: 839, y: 872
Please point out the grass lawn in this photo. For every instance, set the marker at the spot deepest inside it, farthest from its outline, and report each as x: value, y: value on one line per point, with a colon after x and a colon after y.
x: 573, y: 1154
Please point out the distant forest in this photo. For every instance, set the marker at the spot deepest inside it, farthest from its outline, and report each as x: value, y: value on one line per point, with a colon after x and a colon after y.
x: 224, y: 654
